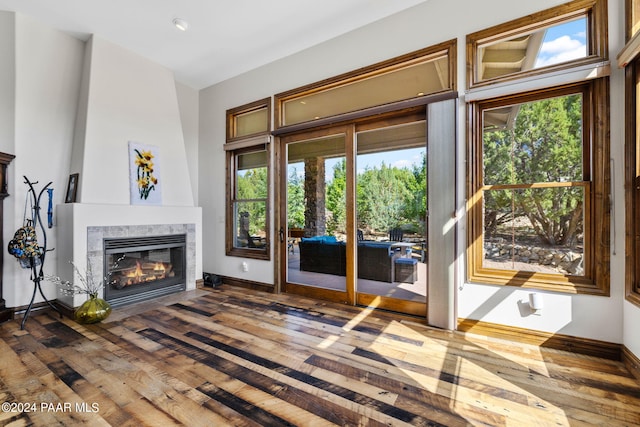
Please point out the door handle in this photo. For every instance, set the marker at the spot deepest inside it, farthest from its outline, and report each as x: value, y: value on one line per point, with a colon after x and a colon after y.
x: 281, y: 235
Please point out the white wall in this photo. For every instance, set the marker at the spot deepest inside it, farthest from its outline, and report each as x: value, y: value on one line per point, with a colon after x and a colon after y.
x: 48, y: 66
x: 130, y: 98
x: 7, y: 79
x: 188, y: 100
x: 630, y: 325
x: 7, y: 116
x: 421, y: 26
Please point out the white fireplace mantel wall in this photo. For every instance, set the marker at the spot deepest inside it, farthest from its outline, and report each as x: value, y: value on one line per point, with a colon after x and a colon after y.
x: 74, y: 219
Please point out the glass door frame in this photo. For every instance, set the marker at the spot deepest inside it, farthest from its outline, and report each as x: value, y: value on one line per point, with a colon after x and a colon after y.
x: 347, y: 296
x: 350, y: 296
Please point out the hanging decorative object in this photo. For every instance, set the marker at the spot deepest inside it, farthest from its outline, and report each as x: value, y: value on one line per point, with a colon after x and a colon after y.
x: 24, y: 245
x: 50, y: 208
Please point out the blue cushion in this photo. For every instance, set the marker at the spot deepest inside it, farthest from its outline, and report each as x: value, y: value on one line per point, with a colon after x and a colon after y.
x: 376, y: 244
x: 406, y: 261
x: 321, y: 239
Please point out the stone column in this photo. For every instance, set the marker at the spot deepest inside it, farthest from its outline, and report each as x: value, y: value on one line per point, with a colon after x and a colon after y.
x: 314, y: 195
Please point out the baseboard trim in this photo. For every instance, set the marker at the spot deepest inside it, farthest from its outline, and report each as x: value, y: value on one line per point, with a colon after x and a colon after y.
x: 573, y: 344
x: 37, y: 307
x: 6, y: 314
x: 248, y: 284
x: 19, y: 312
x: 66, y: 310
x: 631, y: 361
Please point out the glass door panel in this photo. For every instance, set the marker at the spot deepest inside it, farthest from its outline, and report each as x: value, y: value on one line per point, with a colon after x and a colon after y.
x: 391, y: 206
x: 316, y: 255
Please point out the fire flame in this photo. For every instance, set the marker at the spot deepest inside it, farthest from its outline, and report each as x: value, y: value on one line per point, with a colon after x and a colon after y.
x: 137, y: 273
x: 140, y: 275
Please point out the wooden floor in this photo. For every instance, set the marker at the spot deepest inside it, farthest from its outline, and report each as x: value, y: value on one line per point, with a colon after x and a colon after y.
x: 231, y: 356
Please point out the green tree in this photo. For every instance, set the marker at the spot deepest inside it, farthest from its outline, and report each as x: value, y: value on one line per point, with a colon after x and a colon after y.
x: 251, y: 193
x: 544, y: 146
x: 336, y: 199
x: 418, y: 209
x: 386, y: 197
x: 295, y: 200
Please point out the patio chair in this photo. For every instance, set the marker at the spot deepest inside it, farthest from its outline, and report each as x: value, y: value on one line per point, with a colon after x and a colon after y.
x: 396, y: 235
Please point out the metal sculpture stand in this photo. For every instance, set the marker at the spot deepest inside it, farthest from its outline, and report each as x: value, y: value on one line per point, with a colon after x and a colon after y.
x: 37, y: 274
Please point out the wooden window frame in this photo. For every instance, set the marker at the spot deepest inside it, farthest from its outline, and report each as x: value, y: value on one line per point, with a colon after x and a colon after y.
x: 448, y: 48
x: 233, y: 113
x: 632, y: 183
x: 632, y: 18
x: 234, y: 147
x: 594, y: 10
x: 596, y: 142
x: 629, y: 59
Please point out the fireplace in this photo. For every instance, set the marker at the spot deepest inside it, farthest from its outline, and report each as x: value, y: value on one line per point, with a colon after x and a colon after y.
x: 140, y: 268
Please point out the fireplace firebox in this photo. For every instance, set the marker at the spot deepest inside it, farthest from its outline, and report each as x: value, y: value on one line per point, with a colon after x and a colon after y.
x: 140, y: 268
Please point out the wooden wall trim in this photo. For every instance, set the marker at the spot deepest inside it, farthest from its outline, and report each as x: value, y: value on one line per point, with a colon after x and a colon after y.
x: 65, y: 309
x: 578, y: 345
x: 631, y: 362
x: 249, y: 284
x: 18, y: 312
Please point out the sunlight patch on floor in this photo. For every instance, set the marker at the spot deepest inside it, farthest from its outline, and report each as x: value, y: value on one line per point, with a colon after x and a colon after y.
x: 362, y: 315
x: 328, y: 342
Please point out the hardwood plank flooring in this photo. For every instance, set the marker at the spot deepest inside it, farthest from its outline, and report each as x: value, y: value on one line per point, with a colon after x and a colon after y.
x: 231, y: 356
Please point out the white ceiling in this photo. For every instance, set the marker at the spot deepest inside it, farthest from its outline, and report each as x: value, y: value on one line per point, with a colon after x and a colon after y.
x: 225, y: 38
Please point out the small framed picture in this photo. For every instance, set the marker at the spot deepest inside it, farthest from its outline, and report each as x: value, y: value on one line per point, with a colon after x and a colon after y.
x: 72, y: 188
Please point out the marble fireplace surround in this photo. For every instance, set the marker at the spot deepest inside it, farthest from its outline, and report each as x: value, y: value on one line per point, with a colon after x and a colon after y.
x: 96, y: 236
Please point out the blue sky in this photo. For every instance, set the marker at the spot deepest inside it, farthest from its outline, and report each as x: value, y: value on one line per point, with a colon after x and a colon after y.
x: 563, y: 43
x: 399, y: 158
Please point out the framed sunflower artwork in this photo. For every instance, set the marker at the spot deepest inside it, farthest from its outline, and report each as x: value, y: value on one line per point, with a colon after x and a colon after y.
x: 144, y: 174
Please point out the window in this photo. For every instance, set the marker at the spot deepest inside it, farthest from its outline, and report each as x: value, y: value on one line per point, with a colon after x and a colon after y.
x: 629, y: 59
x: 567, y: 35
x: 538, y: 175
x: 426, y: 72
x: 247, y: 231
x: 632, y: 13
x: 632, y: 172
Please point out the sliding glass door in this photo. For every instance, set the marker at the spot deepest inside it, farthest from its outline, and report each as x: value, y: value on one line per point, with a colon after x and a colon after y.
x: 391, y: 206
x: 355, y: 214
x: 316, y: 206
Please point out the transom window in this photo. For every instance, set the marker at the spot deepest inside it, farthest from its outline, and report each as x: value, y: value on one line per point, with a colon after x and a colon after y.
x: 572, y: 33
x: 418, y: 74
